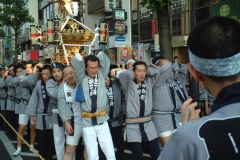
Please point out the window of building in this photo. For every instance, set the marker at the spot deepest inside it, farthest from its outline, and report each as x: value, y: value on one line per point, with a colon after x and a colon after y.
x: 146, y: 30
x: 180, y: 17
x: 202, y: 14
x: 135, y: 32
x: 48, y: 13
x: 202, y: 3
x: 176, y: 24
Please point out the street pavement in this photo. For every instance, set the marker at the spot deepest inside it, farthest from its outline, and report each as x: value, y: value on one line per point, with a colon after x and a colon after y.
x: 7, y: 147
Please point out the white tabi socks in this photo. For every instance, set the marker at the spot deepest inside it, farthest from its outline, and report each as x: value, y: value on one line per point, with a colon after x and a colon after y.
x: 18, y: 151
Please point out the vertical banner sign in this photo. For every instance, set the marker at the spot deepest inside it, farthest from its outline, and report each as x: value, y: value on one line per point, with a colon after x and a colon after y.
x: 19, y: 58
x: 156, y: 42
x: 28, y: 55
x: 154, y: 28
x: 56, y: 28
x: 140, y: 52
x: 103, y: 33
x: 109, y: 5
x: 34, y: 55
x: 33, y: 33
x: 126, y: 53
x: 50, y: 27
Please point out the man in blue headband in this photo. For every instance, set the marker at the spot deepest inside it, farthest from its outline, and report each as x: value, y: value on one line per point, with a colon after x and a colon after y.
x: 214, y: 52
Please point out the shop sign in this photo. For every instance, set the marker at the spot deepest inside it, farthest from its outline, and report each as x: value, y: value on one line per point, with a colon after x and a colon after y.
x: 120, y: 41
x: 134, y: 15
x: 147, y: 14
x: 109, y: 5
x: 229, y: 9
x: 119, y: 15
x: 177, y: 6
x: 120, y: 28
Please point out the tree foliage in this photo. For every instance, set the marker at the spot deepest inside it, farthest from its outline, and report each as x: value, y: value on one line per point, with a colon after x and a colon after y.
x: 14, y: 14
x: 2, y: 33
x: 161, y: 7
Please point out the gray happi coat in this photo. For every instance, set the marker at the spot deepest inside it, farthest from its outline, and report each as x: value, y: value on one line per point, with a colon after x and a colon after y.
x: 11, y: 93
x: 133, y: 102
x: 116, y: 86
x: 163, y: 100
x: 212, y: 137
x: 18, y: 94
x: 3, y: 94
x: 52, y: 88
x: 181, y: 76
x: 27, y: 84
x: 36, y: 107
x: 102, y: 100
x: 64, y: 108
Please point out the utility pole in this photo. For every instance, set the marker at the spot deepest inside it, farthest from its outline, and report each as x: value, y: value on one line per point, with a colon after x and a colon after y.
x: 194, y: 90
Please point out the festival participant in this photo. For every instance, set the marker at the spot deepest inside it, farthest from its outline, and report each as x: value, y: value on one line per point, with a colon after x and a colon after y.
x: 214, y: 53
x: 11, y: 100
x: 27, y: 82
x: 115, y: 121
x: 3, y: 95
x: 52, y: 88
x: 70, y: 111
x: 138, y: 93
x: 39, y: 109
x: 17, y: 69
x: 113, y: 73
x: 130, y: 63
x: 165, y: 100
x: 180, y: 88
x: 92, y: 73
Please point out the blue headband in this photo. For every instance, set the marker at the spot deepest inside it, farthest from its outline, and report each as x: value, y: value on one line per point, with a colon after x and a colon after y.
x: 220, y: 67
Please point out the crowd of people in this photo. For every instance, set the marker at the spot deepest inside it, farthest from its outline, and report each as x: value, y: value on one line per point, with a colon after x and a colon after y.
x: 97, y: 106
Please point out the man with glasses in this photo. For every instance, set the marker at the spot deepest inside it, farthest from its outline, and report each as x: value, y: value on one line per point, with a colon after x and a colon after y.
x: 92, y: 73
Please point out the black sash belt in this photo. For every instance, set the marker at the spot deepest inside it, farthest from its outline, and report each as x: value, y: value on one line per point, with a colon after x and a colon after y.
x: 60, y: 124
x: 11, y: 98
x: 44, y: 122
x: 25, y: 102
x: 72, y: 123
x: 4, y: 98
x: 17, y: 101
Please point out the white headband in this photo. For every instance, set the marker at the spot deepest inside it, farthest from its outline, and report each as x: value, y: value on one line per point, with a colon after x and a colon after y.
x: 131, y: 60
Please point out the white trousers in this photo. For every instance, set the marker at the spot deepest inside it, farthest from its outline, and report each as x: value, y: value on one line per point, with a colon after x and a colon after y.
x: 102, y: 133
x: 59, y: 140
x: 24, y: 118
